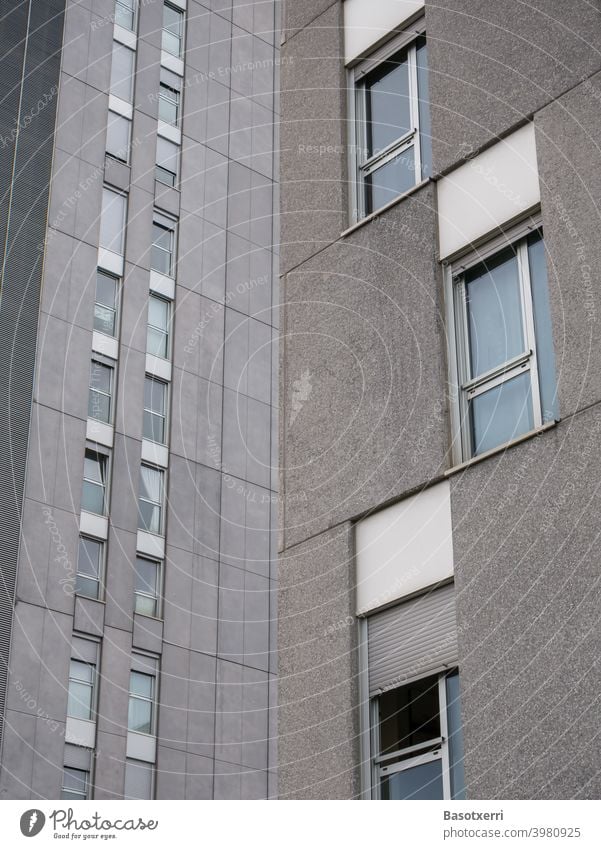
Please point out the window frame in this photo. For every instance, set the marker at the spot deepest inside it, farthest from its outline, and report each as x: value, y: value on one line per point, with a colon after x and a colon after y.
x: 91, y: 684
x: 152, y: 701
x: 160, y: 504
x: 133, y: 7
x: 100, y: 272
x: 169, y: 225
x: 437, y: 748
x: 105, y: 457
x: 182, y: 38
x: 166, y: 332
x: 103, y: 362
x: 165, y: 386
x: 75, y: 795
x: 113, y: 155
x: 360, y: 165
x: 159, y: 584
x: 101, y: 563
x: 164, y: 84
x: 464, y: 388
x: 118, y: 47
x: 173, y: 176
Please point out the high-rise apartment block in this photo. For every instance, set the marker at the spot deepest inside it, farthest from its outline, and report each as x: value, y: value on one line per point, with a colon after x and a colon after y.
x: 440, y: 419
x: 137, y: 314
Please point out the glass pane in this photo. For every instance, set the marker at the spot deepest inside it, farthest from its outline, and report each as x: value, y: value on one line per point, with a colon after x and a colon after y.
x: 168, y: 179
x: 104, y: 320
x: 88, y: 559
x: 388, y: 109
x: 455, y: 737
x: 154, y: 427
x: 494, y: 312
x: 92, y: 498
x: 423, y: 93
x: 146, y: 605
x: 75, y: 780
x: 154, y: 395
x: 168, y: 105
x: 79, y: 704
x: 140, y: 684
x: 390, y: 180
x: 158, y: 313
x: 167, y: 153
x: 138, y: 780
x: 172, y: 19
x: 140, y: 716
x: 124, y: 15
x: 122, y: 68
x: 409, y: 715
x: 99, y: 407
x: 71, y: 794
x: 146, y: 576
x: 171, y: 43
x: 100, y: 377
x: 86, y: 586
x: 419, y: 782
x: 156, y: 343
x: 106, y: 290
x: 502, y: 413
x: 112, y: 221
x: 82, y: 671
x: 543, y: 328
x: 151, y: 484
x: 117, y: 136
x: 149, y: 517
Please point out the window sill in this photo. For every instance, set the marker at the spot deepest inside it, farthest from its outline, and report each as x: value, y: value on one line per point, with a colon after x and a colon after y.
x: 500, y: 448
x: 373, y: 215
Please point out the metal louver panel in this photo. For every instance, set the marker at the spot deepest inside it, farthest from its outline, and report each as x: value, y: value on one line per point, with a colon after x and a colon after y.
x: 412, y: 640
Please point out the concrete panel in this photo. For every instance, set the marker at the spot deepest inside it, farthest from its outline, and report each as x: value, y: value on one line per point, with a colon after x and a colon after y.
x: 109, y: 777
x: 493, y: 67
x: 567, y: 134
x: 314, y: 205
x: 318, y: 743
x: 527, y: 580
x: 365, y: 24
x: 89, y: 616
x: 368, y: 309
x: 114, y: 682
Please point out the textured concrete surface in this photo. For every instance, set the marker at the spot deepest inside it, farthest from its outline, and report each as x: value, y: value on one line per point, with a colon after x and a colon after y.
x: 318, y: 742
x: 494, y: 65
x: 364, y: 415
x: 527, y: 564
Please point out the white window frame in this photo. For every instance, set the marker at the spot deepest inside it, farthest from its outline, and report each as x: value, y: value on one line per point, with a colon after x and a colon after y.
x: 160, y: 504
x: 152, y: 700
x: 99, y: 581
x: 169, y: 224
x: 115, y: 309
x: 462, y: 388
x: 165, y: 82
x: 166, y: 331
x: 165, y: 386
x: 129, y: 6
x: 112, y: 154
x: 95, y: 449
x: 182, y: 38
x: 66, y: 789
x: 107, y: 364
x: 359, y: 165
x: 160, y: 169
x: 91, y: 684
x: 159, y: 591
x: 438, y: 747
x: 118, y: 47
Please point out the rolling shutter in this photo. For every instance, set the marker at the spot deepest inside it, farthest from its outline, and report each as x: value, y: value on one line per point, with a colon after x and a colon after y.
x: 412, y: 640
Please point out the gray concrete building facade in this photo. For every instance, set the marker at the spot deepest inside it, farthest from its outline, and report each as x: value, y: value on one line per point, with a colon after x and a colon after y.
x: 440, y: 408
x: 139, y: 311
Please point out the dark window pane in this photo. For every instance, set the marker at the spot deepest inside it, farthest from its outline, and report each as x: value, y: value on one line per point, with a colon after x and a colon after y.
x: 86, y: 586
x: 494, y: 312
x: 409, y: 715
x: 455, y: 737
x: 387, y: 104
x: 390, y: 180
x: 89, y: 557
x: 146, y: 576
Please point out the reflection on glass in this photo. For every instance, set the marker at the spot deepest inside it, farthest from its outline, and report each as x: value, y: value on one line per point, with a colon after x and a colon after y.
x: 494, y: 312
x: 417, y: 783
x: 502, y: 413
x: 455, y: 731
x: 390, y: 180
x: 388, y: 108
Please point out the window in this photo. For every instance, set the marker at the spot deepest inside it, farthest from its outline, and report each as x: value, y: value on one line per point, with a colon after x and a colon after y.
x: 125, y: 14
x: 117, y: 136
x: 150, y: 506
x: 418, y: 740
x: 173, y: 30
x: 75, y: 783
x: 100, y: 394
x: 138, y: 780
x: 163, y: 245
x: 141, y: 703
x: 155, y: 409
x: 167, y: 158
x: 147, y: 586
x: 122, y: 72
x: 169, y: 98
x: 392, y: 123
x: 112, y: 221
x: 89, y: 567
x: 105, y: 308
x: 157, y: 340
x: 80, y: 702
x: 503, y: 343
x: 93, y: 497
